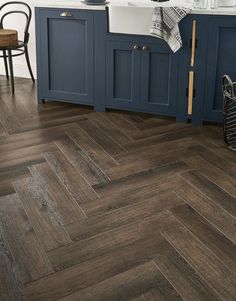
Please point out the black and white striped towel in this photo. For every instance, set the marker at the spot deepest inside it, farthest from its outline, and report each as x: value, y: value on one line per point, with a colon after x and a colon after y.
x: 165, y: 25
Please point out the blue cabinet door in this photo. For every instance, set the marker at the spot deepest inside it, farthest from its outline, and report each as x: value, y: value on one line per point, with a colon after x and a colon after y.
x: 221, y: 59
x: 122, y: 75
x: 158, y: 78
x: 66, y: 55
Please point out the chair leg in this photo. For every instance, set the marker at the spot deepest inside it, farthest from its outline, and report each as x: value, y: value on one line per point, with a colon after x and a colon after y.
x: 11, y: 71
x: 28, y: 64
x: 5, y: 63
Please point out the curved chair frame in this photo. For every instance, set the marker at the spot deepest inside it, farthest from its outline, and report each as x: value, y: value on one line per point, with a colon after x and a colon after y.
x: 22, y: 46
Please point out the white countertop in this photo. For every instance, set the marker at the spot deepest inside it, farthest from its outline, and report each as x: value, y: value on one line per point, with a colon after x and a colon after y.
x: 77, y: 4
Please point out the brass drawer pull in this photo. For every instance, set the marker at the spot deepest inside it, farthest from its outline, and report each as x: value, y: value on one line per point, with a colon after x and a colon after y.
x: 66, y: 14
x: 191, y: 93
x: 193, y: 46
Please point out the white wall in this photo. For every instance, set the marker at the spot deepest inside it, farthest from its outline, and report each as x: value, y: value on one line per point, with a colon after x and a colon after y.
x: 18, y: 22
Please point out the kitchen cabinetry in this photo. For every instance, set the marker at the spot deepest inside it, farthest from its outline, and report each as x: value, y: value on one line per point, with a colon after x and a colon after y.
x: 79, y: 61
x: 221, y: 59
x: 65, y: 55
x: 141, y: 74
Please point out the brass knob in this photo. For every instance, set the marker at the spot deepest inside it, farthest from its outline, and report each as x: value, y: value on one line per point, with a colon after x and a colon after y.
x: 136, y: 47
x: 66, y: 14
x: 145, y: 48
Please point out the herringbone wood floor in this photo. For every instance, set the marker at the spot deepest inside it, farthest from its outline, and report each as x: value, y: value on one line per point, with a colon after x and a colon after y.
x: 112, y: 206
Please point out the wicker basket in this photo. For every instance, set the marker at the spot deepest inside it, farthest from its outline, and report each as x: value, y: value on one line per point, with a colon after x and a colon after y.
x: 229, y: 93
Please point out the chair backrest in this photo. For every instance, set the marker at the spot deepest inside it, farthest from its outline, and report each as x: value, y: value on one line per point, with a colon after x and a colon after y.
x: 26, y: 12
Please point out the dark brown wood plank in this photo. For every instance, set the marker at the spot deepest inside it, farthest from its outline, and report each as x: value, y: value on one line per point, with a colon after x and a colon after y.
x: 218, y: 243
x: 212, y: 172
x: 95, y: 270
x: 215, y: 214
x: 80, y: 251
x: 8, y: 119
x: 68, y: 209
x: 121, y: 287
x: 82, y: 162
x: 98, y: 135
x: 125, y: 215
x: 31, y: 262
x: 77, y: 186
x: 153, y: 162
x: 91, y: 148
x: 211, y: 190
x: 11, y: 288
x: 140, y: 179
x: 218, y: 276
x: 45, y: 220
x: 105, y: 124
x: 182, y: 276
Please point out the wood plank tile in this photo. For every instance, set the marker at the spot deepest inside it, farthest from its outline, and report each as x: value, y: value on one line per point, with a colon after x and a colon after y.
x: 164, y: 292
x: 206, y: 264
x: 68, y: 209
x: 147, y: 151
x: 98, y: 135
x: 8, y: 119
x: 211, y: 190
x: 90, y: 272
x: 131, y: 196
x: 140, y: 179
x: 80, y: 251
x: 218, y: 243
x: 212, y: 172
x: 182, y: 276
x: 105, y: 124
x: 121, y: 287
x: 82, y: 162
x: 77, y: 186
x: 117, y: 218
x: 26, y: 251
x: 91, y: 148
x: 11, y: 288
x: 228, y: 165
x: 216, y: 215
x: 45, y: 220
x: 153, y: 162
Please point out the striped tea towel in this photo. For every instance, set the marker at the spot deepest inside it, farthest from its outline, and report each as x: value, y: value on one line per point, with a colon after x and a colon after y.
x: 165, y: 25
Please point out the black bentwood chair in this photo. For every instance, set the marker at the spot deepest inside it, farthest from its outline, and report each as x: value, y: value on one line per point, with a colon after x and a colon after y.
x: 21, y: 47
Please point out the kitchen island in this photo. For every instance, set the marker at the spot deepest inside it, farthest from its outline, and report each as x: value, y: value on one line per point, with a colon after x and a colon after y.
x: 81, y: 61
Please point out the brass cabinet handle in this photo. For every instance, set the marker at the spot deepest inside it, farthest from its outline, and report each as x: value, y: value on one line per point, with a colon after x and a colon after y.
x: 193, y: 46
x: 66, y: 14
x: 145, y: 48
x: 136, y: 47
x: 191, y: 92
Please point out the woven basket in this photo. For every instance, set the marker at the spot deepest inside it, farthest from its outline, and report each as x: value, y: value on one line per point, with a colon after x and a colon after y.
x: 229, y: 93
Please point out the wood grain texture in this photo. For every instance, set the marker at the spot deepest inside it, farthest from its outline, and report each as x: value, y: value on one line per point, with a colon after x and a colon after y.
x: 45, y: 220
x: 207, y: 265
x: 26, y: 250
x: 112, y: 206
x: 82, y: 162
x: 77, y: 186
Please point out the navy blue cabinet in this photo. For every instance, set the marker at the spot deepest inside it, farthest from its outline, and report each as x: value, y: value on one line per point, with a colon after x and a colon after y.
x: 221, y: 59
x: 65, y: 55
x: 122, y: 74
x: 141, y: 75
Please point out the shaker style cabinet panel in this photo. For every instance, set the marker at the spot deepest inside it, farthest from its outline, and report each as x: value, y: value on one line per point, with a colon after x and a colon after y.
x: 158, y: 78
x: 221, y: 59
x: 122, y: 74
x: 65, y: 54
x: 141, y: 76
